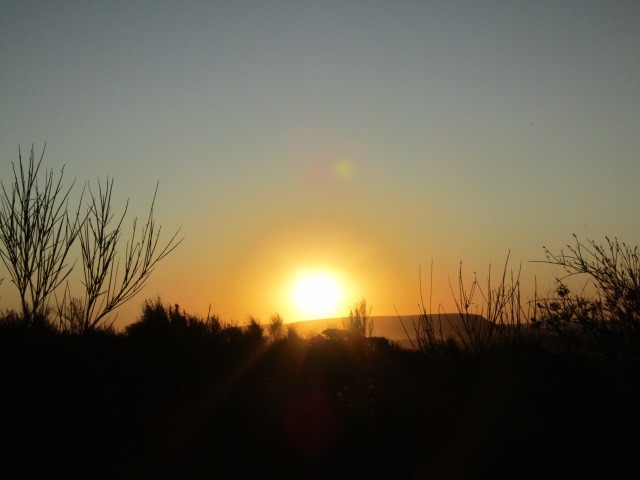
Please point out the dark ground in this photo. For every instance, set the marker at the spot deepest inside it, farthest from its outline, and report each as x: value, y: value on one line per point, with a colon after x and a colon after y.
x: 194, y: 406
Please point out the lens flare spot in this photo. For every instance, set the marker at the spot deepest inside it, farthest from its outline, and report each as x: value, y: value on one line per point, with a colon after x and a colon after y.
x: 343, y: 169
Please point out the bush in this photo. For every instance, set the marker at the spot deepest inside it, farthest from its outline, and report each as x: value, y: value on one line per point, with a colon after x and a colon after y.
x: 157, y: 319
x: 359, y: 321
x: 275, y: 327
x: 604, y: 317
x: 253, y: 329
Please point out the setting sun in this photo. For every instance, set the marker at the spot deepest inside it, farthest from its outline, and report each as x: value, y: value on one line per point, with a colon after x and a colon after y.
x: 317, y: 295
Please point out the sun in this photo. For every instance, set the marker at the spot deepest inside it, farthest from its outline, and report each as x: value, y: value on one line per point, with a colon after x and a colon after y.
x: 317, y: 295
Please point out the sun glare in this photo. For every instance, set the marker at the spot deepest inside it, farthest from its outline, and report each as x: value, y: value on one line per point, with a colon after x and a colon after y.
x: 317, y: 295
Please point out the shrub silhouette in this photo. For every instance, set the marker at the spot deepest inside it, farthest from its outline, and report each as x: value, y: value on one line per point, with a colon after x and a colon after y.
x: 359, y: 321
x: 605, y: 322
x: 158, y: 319
x: 292, y: 332
x: 253, y: 332
x: 276, y: 328
x: 38, y: 230
x: 160, y: 323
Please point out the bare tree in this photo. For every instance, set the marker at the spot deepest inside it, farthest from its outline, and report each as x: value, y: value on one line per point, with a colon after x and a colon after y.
x: 37, y: 231
x: 111, y: 281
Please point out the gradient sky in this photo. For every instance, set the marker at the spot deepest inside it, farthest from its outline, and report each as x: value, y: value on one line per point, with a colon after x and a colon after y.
x: 363, y: 138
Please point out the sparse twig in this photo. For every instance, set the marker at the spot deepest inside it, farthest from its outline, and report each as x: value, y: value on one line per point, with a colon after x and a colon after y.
x: 107, y: 285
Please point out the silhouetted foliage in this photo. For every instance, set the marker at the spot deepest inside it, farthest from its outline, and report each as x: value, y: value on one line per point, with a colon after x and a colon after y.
x: 427, y: 337
x: 180, y: 396
x: 38, y: 230
x: 276, y: 327
x: 160, y: 320
x: 604, y: 316
x: 500, y: 317
x: 171, y: 325
x: 12, y: 326
x: 359, y: 321
x: 339, y: 334
x: 111, y: 281
x: 253, y: 330
x: 292, y: 332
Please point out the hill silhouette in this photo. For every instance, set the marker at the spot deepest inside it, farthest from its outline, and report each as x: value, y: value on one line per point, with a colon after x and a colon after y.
x: 397, y: 328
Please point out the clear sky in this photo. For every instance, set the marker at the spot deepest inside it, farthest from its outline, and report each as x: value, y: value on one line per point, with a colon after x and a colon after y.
x: 360, y: 138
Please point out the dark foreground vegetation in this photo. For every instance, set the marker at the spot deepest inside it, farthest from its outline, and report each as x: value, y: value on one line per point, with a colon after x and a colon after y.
x: 175, y: 396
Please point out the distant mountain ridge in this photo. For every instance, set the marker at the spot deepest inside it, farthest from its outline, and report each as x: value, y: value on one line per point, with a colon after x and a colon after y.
x: 446, y: 325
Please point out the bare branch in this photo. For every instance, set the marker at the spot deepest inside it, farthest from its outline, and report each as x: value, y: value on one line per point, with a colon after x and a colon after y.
x: 36, y: 233
x: 108, y: 284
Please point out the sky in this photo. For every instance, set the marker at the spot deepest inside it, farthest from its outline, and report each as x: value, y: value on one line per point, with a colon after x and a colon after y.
x: 363, y: 139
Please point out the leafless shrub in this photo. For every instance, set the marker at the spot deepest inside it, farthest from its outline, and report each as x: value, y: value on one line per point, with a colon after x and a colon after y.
x: 37, y: 231
x: 499, y: 317
x: 111, y: 281
x: 427, y: 337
